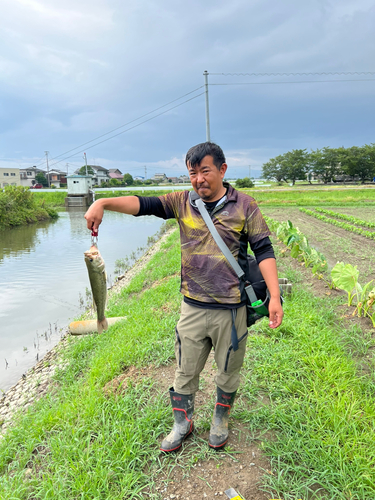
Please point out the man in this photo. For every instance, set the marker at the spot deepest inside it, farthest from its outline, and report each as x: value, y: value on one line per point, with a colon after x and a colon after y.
x: 213, y: 302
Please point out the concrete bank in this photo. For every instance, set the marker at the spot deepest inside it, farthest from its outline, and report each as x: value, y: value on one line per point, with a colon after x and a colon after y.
x: 39, y: 380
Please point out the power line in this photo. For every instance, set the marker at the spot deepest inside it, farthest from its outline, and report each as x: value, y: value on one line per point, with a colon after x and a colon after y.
x: 130, y: 128
x: 295, y: 74
x: 283, y: 83
x: 124, y: 125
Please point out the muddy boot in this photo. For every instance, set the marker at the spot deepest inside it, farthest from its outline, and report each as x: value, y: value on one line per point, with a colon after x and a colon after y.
x: 183, y: 408
x: 219, y: 425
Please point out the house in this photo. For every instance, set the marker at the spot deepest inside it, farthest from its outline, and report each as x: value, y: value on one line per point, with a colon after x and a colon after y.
x: 100, y: 174
x: 139, y: 178
x: 27, y: 175
x: 159, y: 178
x: 56, y: 177
x: 115, y: 173
x: 174, y: 180
x: 9, y: 177
x: 185, y: 178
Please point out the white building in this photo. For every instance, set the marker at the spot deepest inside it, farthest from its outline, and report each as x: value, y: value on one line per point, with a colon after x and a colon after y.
x: 28, y: 175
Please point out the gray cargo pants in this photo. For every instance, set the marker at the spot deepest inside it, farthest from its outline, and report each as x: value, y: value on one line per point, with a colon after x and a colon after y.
x: 197, y: 331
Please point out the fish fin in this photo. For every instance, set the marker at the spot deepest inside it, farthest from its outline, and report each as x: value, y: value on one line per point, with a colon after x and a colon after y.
x: 94, y: 305
x: 102, y: 325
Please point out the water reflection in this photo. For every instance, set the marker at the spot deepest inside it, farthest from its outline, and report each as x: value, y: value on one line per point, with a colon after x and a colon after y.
x: 43, y: 278
x: 18, y: 239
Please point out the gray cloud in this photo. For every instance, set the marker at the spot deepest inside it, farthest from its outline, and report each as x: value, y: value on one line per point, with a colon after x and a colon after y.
x: 72, y: 72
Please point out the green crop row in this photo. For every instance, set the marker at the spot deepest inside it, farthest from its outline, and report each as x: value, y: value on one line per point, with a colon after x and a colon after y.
x: 343, y: 276
x: 299, y: 246
x: 343, y: 225
x: 349, y: 218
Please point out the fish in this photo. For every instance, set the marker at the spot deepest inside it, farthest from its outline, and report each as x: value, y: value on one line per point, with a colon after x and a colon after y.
x: 98, y: 281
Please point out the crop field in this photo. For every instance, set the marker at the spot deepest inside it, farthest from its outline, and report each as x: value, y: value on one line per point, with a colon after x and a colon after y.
x: 336, y: 243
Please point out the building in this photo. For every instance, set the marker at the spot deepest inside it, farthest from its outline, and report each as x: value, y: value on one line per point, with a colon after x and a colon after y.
x: 185, y: 178
x: 175, y: 180
x: 100, y: 174
x: 28, y: 175
x: 159, y: 178
x: 115, y: 173
x: 56, y: 177
x: 139, y: 178
x: 9, y: 177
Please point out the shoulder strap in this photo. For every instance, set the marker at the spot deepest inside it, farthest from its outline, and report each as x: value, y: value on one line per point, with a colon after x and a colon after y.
x: 218, y: 239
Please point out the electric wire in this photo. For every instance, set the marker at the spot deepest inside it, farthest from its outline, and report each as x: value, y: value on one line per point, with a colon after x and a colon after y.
x: 296, y: 74
x: 126, y: 130
x: 284, y: 83
x: 121, y: 126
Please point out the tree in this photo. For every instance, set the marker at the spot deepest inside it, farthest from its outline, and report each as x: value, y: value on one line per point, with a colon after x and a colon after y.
x: 325, y: 163
x: 128, y: 180
x: 114, y: 182
x: 295, y: 164
x: 82, y: 170
x: 244, y: 183
x: 359, y: 162
x: 41, y: 179
x: 273, y: 169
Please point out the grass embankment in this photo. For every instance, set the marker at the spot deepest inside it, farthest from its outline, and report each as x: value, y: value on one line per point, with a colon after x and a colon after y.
x: 79, y: 443
x: 18, y: 207
x: 325, y: 197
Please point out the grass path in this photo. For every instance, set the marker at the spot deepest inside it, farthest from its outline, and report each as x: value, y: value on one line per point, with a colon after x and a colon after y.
x: 317, y: 426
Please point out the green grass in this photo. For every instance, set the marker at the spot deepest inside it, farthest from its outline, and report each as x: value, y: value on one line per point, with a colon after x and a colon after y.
x: 78, y: 443
x: 322, y: 197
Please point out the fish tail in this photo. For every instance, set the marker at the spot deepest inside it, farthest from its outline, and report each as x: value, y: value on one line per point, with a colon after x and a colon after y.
x: 102, y: 325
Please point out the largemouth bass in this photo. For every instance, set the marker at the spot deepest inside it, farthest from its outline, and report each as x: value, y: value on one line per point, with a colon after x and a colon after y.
x: 98, y: 281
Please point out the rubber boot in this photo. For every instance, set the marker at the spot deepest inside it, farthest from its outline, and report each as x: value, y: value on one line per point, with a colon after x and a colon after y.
x: 183, y: 408
x: 219, y: 426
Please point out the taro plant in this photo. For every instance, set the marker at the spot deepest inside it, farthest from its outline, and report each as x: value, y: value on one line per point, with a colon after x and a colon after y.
x: 345, y: 277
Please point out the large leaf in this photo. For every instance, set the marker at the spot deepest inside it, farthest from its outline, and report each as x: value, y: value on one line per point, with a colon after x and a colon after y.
x: 345, y: 276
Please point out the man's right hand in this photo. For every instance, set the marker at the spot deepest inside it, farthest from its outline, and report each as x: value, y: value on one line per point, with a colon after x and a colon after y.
x: 94, y: 215
x: 123, y: 204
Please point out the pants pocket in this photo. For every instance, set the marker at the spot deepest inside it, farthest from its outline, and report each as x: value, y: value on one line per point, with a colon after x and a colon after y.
x: 178, y: 348
x: 234, y: 359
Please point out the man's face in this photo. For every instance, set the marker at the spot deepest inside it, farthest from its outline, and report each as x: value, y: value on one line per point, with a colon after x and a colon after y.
x: 207, y: 179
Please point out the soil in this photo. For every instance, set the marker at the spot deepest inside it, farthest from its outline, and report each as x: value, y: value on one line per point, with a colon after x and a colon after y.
x: 195, y: 472
x: 336, y: 244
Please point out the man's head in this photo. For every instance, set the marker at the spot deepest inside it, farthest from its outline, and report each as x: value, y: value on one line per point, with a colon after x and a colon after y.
x: 206, y: 166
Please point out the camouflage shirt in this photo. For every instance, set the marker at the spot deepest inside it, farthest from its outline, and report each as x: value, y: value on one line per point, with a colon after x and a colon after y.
x: 206, y: 275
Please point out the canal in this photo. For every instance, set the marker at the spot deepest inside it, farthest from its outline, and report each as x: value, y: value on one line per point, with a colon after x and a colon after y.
x: 43, y: 280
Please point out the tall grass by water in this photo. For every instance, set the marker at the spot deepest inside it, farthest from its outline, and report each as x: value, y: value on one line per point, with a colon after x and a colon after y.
x: 18, y: 207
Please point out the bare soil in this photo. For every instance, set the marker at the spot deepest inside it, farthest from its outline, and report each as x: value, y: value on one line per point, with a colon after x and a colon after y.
x: 196, y: 472
x: 336, y: 244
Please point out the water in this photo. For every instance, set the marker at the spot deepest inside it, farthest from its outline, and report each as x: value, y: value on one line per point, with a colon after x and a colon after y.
x: 43, y: 280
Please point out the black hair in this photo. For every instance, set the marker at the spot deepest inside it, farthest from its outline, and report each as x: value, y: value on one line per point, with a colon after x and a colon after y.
x: 196, y: 154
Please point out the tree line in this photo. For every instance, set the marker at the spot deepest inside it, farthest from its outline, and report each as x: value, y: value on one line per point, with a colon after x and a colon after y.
x: 326, y: 164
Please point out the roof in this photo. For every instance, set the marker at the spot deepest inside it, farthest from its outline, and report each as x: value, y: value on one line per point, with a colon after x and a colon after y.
x: 97, y: 167
x: 114, y: 175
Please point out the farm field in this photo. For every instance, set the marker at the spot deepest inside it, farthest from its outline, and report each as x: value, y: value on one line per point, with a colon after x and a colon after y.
x: 335, y: 243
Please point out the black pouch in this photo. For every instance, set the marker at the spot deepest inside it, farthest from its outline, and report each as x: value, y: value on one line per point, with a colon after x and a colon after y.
x: 257, y: 294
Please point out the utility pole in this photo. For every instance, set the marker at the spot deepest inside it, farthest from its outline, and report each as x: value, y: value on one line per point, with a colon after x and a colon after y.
x: 67, y: 168
x: 208, y: 137
x: 46, y: 152
x: 145, y: 172
x: 84, y: 155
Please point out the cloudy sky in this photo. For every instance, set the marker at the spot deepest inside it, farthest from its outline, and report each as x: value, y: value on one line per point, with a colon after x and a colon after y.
x: 73, y: 71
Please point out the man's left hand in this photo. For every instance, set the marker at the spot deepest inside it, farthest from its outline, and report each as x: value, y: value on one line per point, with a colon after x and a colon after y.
x: 276, y: 312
